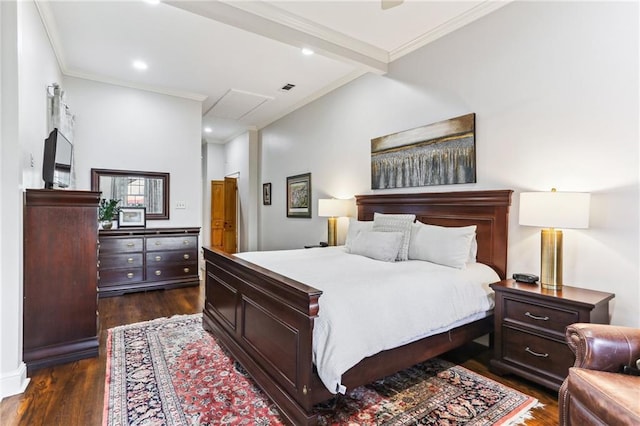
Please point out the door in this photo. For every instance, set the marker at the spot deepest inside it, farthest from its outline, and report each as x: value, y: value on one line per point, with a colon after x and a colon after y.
x: 224, y: 235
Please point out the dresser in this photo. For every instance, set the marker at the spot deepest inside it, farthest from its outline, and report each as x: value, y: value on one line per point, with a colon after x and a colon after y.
x: 60, y: 276
x: 143, y: 259
x: 530, y: 324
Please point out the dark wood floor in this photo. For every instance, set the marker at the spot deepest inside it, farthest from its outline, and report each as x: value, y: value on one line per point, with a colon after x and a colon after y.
x: 72, y: 394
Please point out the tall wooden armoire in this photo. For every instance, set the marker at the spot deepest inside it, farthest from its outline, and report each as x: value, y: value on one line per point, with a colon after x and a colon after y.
x: 224, y: 201
x: 60, y: 276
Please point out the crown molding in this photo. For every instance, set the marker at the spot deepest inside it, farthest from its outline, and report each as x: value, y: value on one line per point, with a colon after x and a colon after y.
x: 48, y: 21
x: 451, y: 25
x: 148, y: 88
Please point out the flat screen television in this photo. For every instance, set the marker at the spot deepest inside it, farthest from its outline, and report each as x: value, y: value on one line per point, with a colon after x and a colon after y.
x: 56, y: 164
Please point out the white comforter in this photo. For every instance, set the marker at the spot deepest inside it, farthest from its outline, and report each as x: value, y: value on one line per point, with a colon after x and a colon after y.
x: 368, y: 306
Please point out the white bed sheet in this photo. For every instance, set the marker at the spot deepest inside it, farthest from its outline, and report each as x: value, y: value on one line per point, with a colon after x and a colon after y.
x: 368, y: 306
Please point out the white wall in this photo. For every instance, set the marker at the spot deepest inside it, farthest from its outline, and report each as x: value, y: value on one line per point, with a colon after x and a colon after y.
x: 213, y: 156
x: 241, y: 160
x: 28, y: 66
x: 130, y: 129
x: 554, y: 86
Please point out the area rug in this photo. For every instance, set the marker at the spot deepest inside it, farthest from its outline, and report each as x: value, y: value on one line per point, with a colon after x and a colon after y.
x: 169, y: 371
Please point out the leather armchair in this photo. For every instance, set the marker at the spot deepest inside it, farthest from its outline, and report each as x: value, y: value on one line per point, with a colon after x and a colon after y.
x: 595, y: 392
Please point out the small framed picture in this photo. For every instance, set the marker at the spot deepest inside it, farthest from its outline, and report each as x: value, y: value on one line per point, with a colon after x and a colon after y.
x: 266, y: 194
x: 299, y: 196
x: 132, y: 217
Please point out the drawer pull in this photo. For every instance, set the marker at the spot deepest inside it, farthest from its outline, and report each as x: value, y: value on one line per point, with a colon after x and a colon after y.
x: 158, y: 272
x: 158, y: 258
x: 539, y: 355
x: 130, y: 244
x: 185, y: 242
x: 186, y: 270
x: 530, y: 315
x: 130, y: 275
x: 186, y: 256
x: 130, y: 260
x: 158, y: 243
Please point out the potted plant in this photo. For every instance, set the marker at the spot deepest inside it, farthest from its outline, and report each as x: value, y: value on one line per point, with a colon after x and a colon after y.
x: 107, y: 211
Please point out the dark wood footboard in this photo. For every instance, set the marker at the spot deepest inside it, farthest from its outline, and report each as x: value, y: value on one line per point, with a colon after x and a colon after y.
x: 266, y: 321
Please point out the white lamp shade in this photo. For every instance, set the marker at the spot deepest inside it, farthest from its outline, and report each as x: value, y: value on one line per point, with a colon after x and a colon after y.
x: 555, y: 209
x: 332, y: 207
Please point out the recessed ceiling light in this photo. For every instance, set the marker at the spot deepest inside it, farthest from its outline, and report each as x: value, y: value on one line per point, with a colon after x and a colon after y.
x: 140, y: 65
x: 208, y: 130
x: 307, y: 51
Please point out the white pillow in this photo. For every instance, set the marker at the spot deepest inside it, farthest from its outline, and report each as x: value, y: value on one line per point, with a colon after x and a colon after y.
x: 355, y: 227
x: 377, y: 245
x: 473, y: 252
x: 449, y: 246
x: 396, y: 223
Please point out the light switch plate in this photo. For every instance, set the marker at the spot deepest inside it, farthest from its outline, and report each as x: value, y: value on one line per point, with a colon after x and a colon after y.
x: 181, y: 205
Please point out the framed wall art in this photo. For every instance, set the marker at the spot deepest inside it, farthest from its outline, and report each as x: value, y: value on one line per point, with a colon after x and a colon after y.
x: 299, y: 196
x: 132, y: 217
x: 441, y: 153
x: 266, y: 194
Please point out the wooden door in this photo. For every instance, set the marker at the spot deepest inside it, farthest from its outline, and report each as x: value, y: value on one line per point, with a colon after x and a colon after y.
x: 217, y: 214
x: 224, y: 235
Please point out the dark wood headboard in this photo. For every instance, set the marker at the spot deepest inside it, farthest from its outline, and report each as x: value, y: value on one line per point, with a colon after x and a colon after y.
x: 488, y: 210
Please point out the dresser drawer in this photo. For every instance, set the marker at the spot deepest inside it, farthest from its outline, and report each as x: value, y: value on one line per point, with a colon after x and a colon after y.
x: 118, y: 276
x: 126, y: 260
x: 167, y: 272
x: 537, y: 353
x: 171, y: 256
x: 186, y: 242
x: 121, y: 244
x: 544, y: 317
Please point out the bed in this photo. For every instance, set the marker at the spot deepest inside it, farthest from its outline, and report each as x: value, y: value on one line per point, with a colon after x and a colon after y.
x: 266, y: 320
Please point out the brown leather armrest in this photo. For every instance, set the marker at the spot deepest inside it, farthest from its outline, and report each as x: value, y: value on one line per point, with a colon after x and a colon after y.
x: 603, y: 347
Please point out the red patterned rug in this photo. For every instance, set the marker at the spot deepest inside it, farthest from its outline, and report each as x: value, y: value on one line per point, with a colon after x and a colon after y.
x: 172, y: 372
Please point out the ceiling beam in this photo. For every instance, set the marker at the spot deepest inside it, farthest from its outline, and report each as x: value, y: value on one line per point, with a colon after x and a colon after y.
x: 268, y: 21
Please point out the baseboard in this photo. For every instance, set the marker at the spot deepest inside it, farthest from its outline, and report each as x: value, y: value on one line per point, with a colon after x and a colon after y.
x: 15, y: 382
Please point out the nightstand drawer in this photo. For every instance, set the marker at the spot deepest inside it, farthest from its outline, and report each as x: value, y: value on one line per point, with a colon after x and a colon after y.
x: 538, y: 353
x: 540, y: 316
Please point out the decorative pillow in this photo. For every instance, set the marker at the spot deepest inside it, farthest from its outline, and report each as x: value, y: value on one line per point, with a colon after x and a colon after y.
x: 355, y: 227
x: 377, y: 245
x: 396, y: 223
x: 449, y: 246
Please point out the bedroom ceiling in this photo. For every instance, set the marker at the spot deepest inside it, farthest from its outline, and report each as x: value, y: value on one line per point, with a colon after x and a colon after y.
x: 236, y: 56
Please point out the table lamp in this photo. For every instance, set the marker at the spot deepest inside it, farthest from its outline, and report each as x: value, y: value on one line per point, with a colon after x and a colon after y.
x: 333, y: 209
x: 553, y: 210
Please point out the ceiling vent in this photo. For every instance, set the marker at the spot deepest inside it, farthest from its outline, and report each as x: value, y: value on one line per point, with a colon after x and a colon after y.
x: 235, y: 104
x: 287, y: 87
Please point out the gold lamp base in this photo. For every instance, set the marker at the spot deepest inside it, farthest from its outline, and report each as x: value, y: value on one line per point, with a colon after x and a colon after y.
x: 332, y: 231
x: 551, y: 259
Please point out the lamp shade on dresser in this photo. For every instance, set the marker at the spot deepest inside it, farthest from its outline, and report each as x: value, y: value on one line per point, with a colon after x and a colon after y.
x: 60, y: 276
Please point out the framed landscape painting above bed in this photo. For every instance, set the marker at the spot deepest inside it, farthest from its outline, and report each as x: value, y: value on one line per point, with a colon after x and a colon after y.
x: 441, y: 153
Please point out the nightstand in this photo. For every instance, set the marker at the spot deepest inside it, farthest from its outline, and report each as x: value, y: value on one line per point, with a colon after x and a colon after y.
x: 530, y: 324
